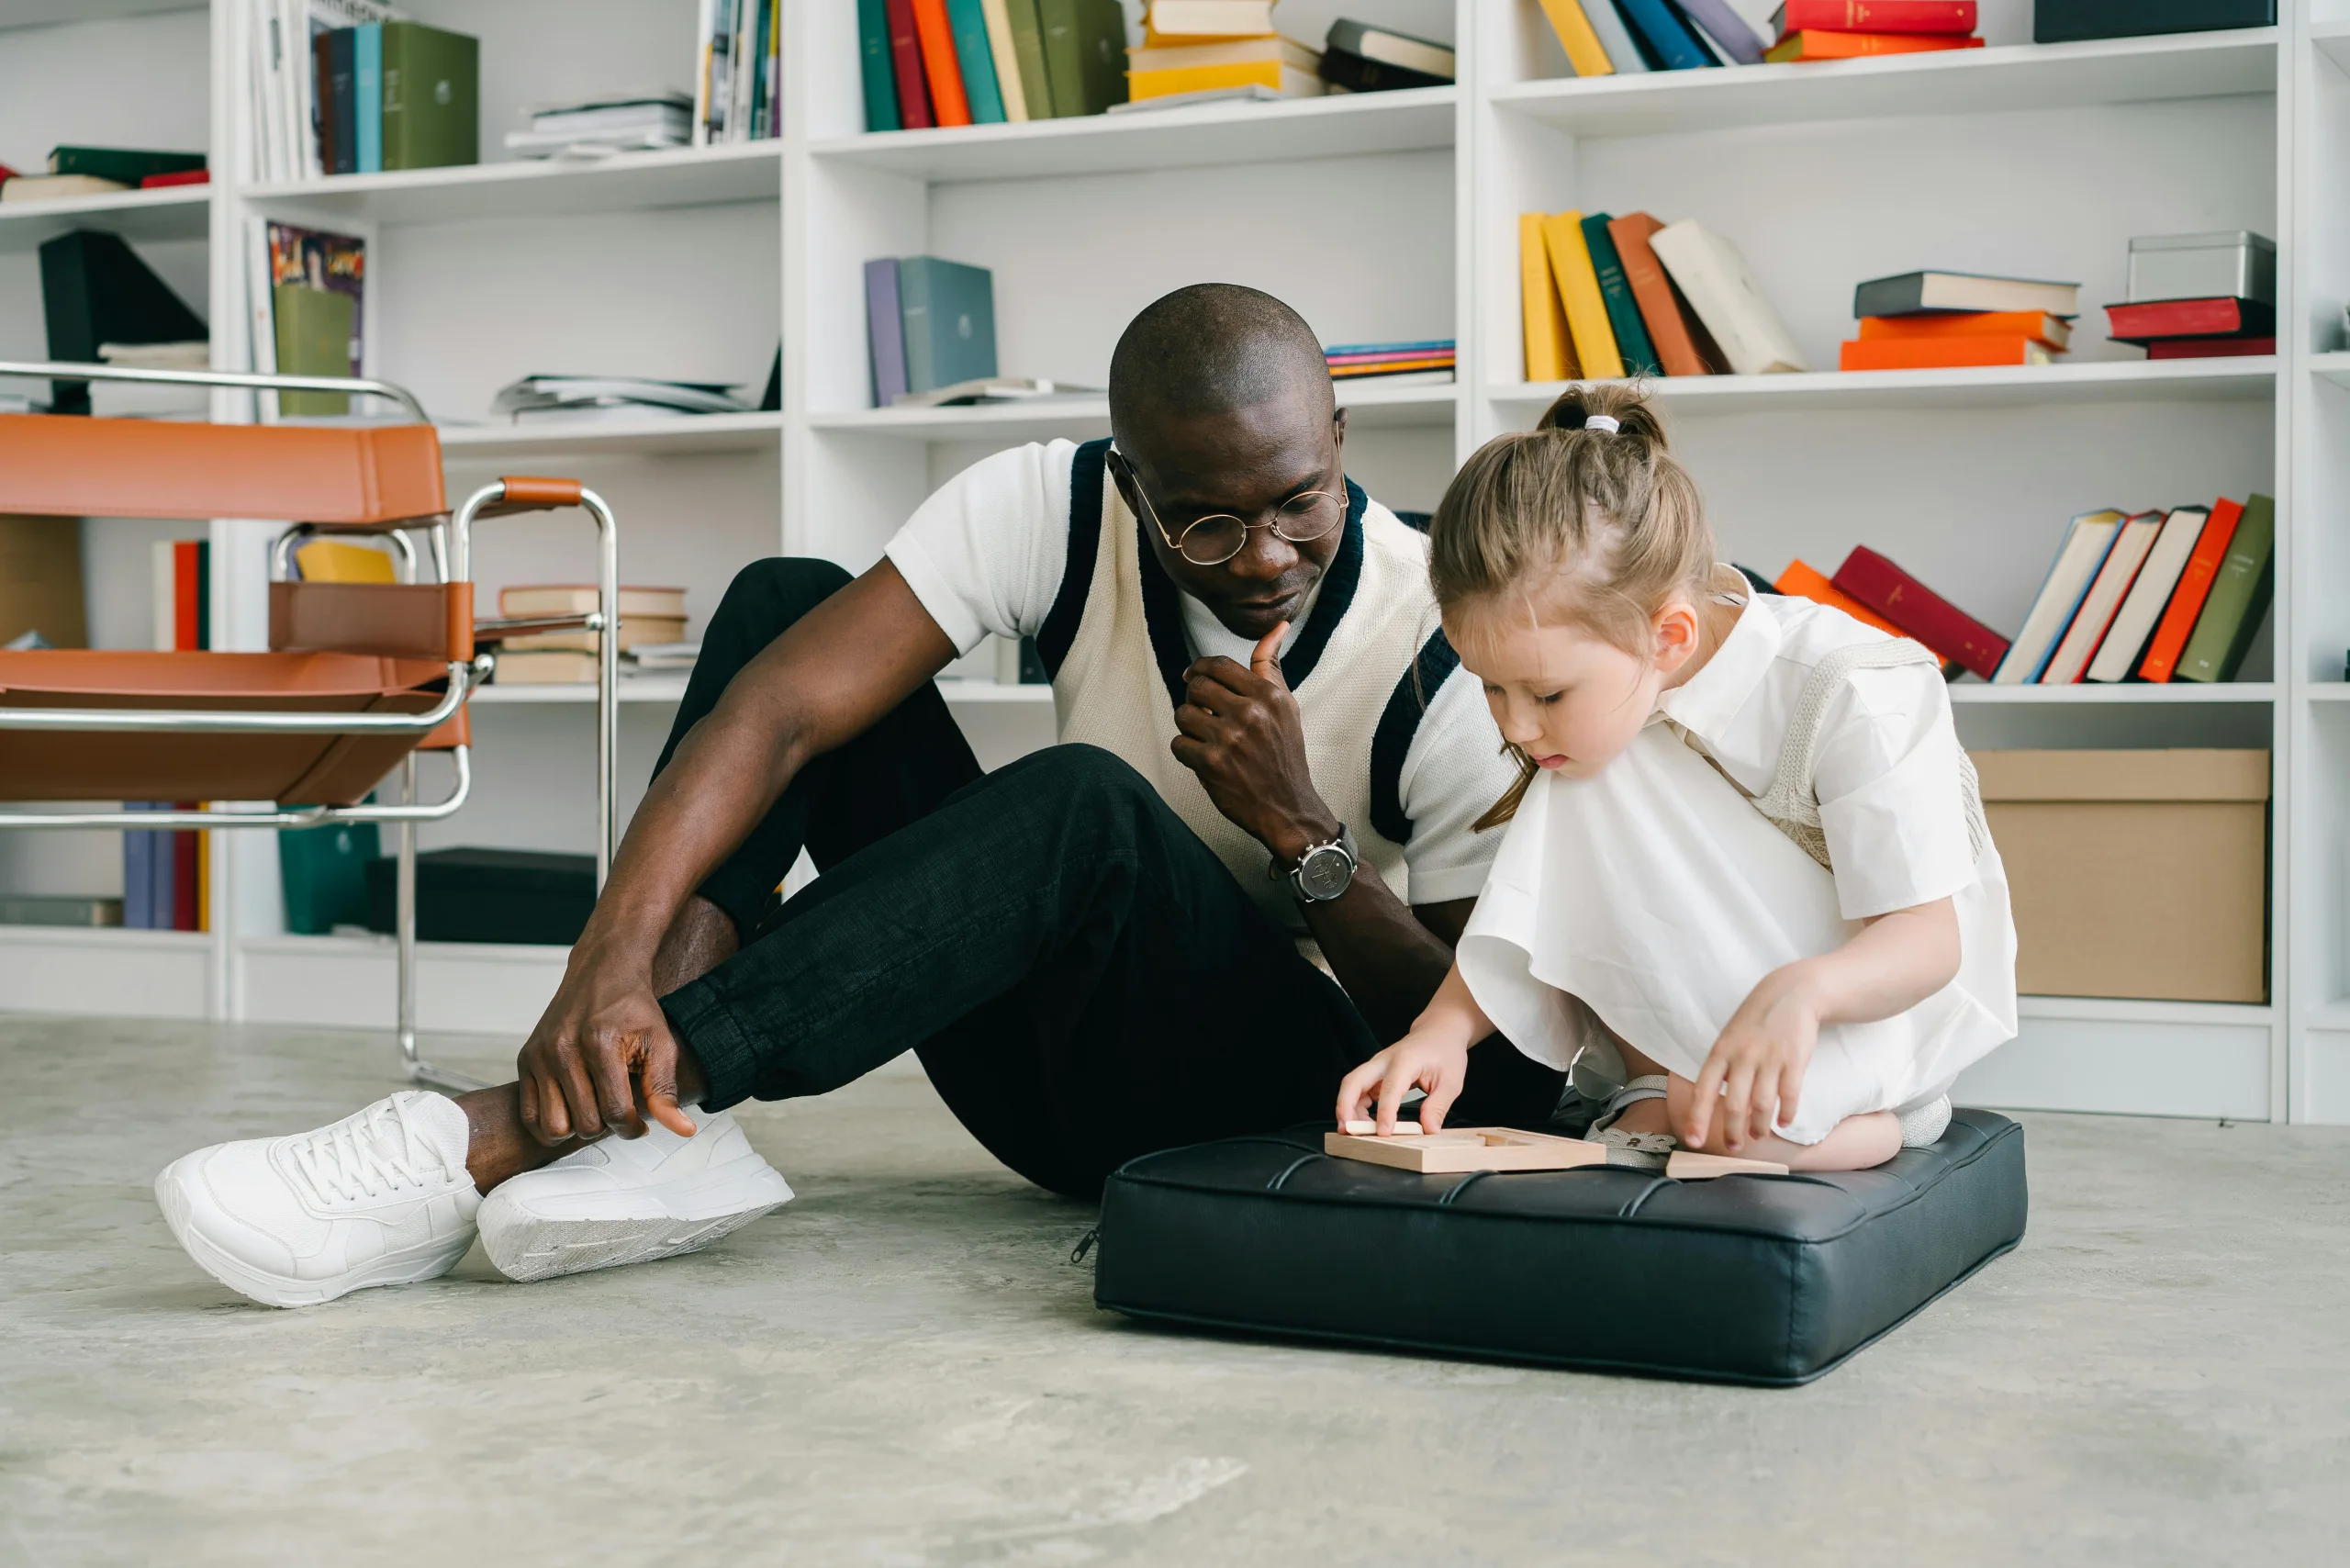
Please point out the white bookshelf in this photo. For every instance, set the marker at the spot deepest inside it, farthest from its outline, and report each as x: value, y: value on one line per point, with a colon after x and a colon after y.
x: 1381, y: 216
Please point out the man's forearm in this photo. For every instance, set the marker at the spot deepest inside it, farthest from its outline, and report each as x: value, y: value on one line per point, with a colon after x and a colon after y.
x: 1389, y: 963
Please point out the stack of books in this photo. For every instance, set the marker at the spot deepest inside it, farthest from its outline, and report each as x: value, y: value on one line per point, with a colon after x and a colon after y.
x: 2158, y: 595
x: 1935, y: 321
x: 102, y: 171
x: 1204, y: 50
x: 1358, y: 57
x: 651, y: 619
x: 152, y: 400
x: 537, y: 397
x: 1604, y: 297
x: 1429, y: 362
x: 2199, y: 295
x: 951, y: 63
x: 1851, y: 30
x: 389, y: 95
x: 1603, y: 37
x: 737, y: 72
x: 599, y: 127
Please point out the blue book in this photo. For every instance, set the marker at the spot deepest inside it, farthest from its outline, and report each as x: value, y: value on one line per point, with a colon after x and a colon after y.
x: 340, y: 102
x: 969, y: 21
x: 1653, y: 22
x: 885, y: 332
x: 948, y: 309
x: 137, y: 875
x: 873, y: 58
x: 1432, y: 345
x: 367, y: 95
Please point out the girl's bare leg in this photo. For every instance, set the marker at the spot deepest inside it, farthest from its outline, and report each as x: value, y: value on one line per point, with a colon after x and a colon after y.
x: 1854, y: 1144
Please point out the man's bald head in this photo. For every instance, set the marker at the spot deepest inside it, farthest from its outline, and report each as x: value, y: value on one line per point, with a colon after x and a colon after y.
x: 1212, y: 349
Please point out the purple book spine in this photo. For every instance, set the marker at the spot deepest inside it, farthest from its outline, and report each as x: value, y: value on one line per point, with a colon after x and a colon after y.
x: 138, y: 877
x: 885, y: 332
x: 1726, y: 28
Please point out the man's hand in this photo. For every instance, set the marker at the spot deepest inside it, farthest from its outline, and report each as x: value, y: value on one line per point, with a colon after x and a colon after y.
x: 1241, y: 733
x: 602, y: 1042
x: 1754, y: 1073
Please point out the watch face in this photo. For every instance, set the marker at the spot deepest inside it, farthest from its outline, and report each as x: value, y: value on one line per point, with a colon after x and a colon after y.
x: 1324, y: 873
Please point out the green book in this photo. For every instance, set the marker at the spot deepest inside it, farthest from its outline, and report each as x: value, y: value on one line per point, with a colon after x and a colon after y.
x: 2239, y: 597
x: 1029, y: 53
x: 948, y: 312
x: 122, y: 163
x: 873, y: 62
x: 432, y: 98
x: 1085, y: 53
x: 323, y: 872
x: 313, y: 339
x: 1616, y: 292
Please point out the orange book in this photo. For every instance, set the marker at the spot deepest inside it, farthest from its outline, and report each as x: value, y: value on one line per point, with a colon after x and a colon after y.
x: 948, y: 100
x: 2054, y: 330
x: 1938, y: 354
x: 1800, y: 581
x: 2194, y: 587
x: 1811, y: 43
x: 1661, y: 310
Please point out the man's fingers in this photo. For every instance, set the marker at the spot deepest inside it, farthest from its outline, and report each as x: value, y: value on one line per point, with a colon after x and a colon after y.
x: 527, y: 1099
x: 615, y: 1095
x: 578, y: 1093
x: 1195, y: 721
x: 659, y: 1075
x: 554, y: 1116
x: 1211, y: 676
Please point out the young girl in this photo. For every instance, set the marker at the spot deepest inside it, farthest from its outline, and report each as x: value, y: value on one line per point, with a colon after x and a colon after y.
x: 1747, y: 898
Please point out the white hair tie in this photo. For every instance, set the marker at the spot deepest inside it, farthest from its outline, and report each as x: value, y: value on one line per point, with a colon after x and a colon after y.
x: 1608, y: 422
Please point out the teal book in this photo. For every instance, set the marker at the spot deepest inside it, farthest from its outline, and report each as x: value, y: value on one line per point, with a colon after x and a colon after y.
x: 367, y: 95
x: 432, y: 98
x: 323, y: 872
x: 2239, y: 597
x: 948, y: 313
x: 873, y: 60
x: 1616, y: 292
x: 122, y: 163
x: 969, y: 21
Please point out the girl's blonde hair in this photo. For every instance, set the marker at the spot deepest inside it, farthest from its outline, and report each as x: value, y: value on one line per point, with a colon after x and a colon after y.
x: 1597, y: 525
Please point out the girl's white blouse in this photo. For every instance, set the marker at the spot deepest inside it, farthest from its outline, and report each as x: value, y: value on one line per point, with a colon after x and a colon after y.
x: 1657, y: 896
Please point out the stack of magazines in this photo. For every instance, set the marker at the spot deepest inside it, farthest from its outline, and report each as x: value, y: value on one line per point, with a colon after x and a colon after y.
x: 612, y: 397
x: 598, y: 127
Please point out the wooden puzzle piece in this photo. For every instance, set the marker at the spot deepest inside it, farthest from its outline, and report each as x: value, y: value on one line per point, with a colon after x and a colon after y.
x: 1687, y: 1165
x: 1458, y: 1151
x: 1371, y: 1130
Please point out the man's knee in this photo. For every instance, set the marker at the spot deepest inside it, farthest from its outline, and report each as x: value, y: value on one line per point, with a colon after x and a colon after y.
x: 1087, y: 793
x: 766, y: 597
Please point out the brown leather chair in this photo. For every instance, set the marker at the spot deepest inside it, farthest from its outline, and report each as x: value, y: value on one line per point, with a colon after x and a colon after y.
x: 357, y: 677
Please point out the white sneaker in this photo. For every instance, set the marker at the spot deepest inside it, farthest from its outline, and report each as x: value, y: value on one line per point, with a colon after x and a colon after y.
x: 381, y: 1198
x: 630, y: 1200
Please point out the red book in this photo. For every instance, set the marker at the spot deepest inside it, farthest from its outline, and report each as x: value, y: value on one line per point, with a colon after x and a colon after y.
x: 1952, y: 16
x: 2209, y: 348
x: 187, y: 599
x: 1952, y: 634
x: 1817, y: 43
x: 183, y: 177
x: 2190, y: 319
x: 2194, y: 587
x: 1939, y: 354
x: 905, y: 64
x: 185, y: 913
x: 948, y: 100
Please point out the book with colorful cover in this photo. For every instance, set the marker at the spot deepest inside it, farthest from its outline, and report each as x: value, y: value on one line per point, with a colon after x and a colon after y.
x: 2185, y: 604
x: 1549, y: 353
x: 1921, y: 612
x: 1940, y: 354
x: 1813, y: 43
x: 1681, y: 344
x: 2103, y: 601
x: 1578, y: 286
x: 2238, y: 599
x: 1616, y: 292
x: 1948, y: 16
x: 2079, y: 556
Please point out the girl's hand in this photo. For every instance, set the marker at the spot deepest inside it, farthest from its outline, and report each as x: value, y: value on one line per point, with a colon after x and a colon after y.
x: 1435, y: 1060
x: 1755, y: 1070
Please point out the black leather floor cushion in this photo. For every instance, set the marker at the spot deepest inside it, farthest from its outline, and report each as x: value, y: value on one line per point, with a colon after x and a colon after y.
x: 1743, y: 1279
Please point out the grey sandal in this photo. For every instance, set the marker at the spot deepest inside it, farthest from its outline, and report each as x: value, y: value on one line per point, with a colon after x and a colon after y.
x: 1644, y: 1151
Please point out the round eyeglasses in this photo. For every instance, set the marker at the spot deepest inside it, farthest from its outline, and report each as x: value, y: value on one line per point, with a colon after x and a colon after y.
x: 1212, y: 539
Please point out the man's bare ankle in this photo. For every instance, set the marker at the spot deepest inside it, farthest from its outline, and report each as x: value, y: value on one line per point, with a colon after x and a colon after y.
x: 700, y: 938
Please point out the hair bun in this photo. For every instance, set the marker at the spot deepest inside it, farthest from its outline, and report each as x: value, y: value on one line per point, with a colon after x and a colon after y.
x: 1621, y: 402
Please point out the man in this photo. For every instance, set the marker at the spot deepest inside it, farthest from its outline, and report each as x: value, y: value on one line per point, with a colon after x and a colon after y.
x: 1269, y: 756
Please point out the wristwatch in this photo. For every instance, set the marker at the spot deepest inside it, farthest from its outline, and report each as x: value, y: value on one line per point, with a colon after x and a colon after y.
x: 1325, y: 870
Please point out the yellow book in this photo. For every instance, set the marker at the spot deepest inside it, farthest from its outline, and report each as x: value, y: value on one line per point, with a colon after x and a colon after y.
x: 1286, y: 80
x: 1548, y: 355
x: 1576, y: 36
x: 1595, y: 340
x: 332, y: 561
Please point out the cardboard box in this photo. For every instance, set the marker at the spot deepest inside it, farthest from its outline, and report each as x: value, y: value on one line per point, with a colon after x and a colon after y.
x: 40, y: 579
x: 2135, y: 873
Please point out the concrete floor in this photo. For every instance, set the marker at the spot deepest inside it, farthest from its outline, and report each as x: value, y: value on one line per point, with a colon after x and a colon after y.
x: 903, y: 1368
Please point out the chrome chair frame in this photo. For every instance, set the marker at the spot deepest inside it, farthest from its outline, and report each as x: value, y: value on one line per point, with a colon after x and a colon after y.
x: 450, y: 537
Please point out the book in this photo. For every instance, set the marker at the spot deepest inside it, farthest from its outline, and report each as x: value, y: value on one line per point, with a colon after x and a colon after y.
x: 1802, y: 581
x: 2133, y: 624
x: 1278, y: 77
x: 1813, y: 43
x: 2079, y: 554
x: 635, y: 629
x: 1387, y: 47
x: 542, y: 394
x: 1725, y: 27
x: 367, y: 96
x: 2067, y: 21
x: 1616, y: 292
x: 1577, y: 37
x: 1209, y: 19
x: 873, y: 65
x: 431, y: 111
x: 1085, y: 45
x: 884, y: 333
x: 94, y: 290
x: 1028, y: 51
x: 2238, y: 599
x: 533, y: 599
x: 1940, y: 354
x: 1656, y: 24
x: 2190, y: 319
x: 340, y: 561
x: 1921, y: 612
x: 59, y: 909
x: 122, y: 163
x: 545, y: 667
x: 940, y: 68
x: 167, y: 182
x: 1626, y: 50
x: 1414, y: 346
x: 323, y: 872
x: 57, y: 187
x: 1578, y: 286
x: 1390, y: 367
x: 948, y: 312
x: 312, y: 263
x: 905, y: 64
x: 342, y: 104
x: 1714, y: 278
x: 138, y: 873
x: 1003, y: 52
x: 2103, y: 600
x: 993, y: 390
x: 975, y: 59
x: 1875, y: 16
x: 2209, y: 348
x: 1356, y: 74
x: 1550, y: 354
x: 1229, y: 51
x: 2052, y: 331
x: 1907, y: 294
x: 2185, y: 604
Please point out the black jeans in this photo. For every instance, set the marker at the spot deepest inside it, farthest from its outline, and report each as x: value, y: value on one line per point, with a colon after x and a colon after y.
x: 1082, y: 977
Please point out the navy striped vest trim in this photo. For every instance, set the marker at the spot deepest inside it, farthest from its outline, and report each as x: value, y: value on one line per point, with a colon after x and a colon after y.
x: 1391, y: 743
x: 1088, y: 471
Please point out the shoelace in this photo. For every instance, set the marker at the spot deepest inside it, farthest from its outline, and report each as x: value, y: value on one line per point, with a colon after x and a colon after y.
x: 347, y: 1162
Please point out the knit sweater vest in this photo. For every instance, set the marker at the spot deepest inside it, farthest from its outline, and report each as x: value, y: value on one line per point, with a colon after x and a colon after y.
x: 1114, y: 643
